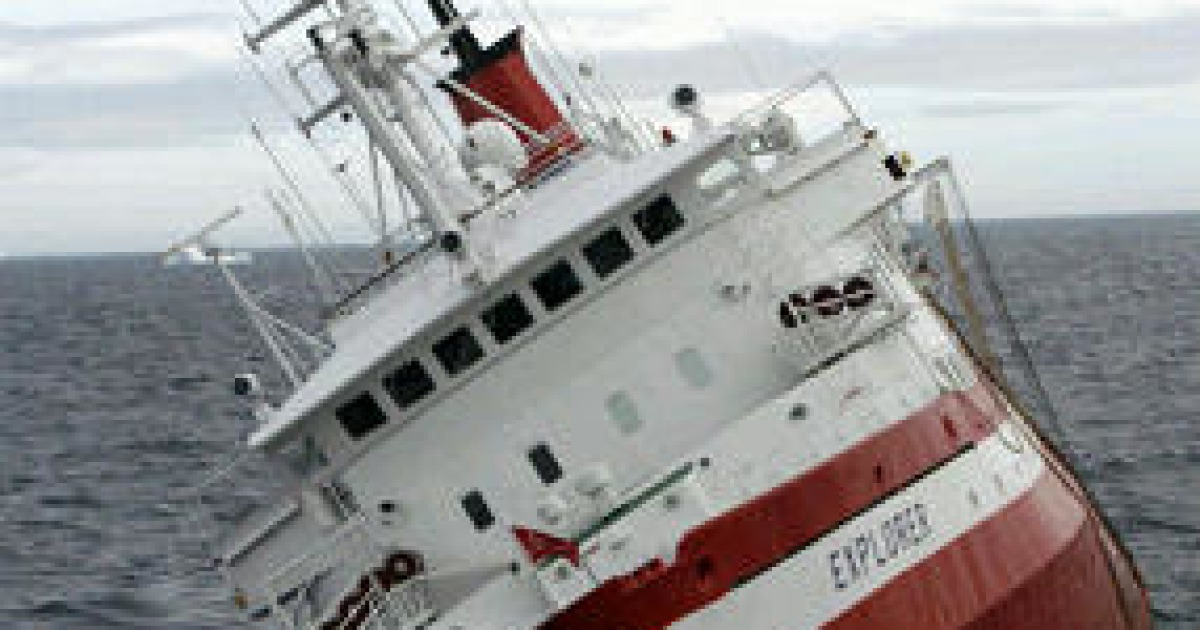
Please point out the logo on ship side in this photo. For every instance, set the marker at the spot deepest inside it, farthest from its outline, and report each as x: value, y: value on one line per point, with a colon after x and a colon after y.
x: 880, y: 545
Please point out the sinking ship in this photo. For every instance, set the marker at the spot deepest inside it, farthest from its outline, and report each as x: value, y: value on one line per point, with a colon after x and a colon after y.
x: 631, y: 377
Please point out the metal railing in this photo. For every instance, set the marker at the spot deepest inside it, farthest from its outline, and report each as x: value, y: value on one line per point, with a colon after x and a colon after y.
x: 341, y: 583
x: 818, y: 105
x: 338, y: 581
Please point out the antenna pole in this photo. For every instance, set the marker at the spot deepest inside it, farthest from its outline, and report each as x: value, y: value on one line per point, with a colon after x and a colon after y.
x: 463, y: 42
x: 346, y: 67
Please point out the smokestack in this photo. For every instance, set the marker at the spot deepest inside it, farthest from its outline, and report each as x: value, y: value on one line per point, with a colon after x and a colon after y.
x: 501, y: 75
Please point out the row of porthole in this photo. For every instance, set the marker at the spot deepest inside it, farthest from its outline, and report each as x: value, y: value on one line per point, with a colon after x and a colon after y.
x: 509, y: 316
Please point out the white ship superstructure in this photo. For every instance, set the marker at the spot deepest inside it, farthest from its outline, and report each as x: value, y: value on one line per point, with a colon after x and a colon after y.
x: 625, y: 381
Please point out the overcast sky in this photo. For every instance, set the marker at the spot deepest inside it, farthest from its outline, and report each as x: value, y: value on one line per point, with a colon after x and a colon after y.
x: 122, y: 122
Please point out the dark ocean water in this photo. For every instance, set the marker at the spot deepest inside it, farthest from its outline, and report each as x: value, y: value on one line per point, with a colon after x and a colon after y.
x: 114, y: 381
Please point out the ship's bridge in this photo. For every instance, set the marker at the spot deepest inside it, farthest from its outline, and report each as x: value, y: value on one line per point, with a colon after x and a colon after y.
x: 429, y: 290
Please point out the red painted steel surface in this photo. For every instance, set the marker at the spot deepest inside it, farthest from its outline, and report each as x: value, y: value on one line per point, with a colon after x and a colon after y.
x: 1038, y: 565
x: 737, y: 545
x: 508, y: 83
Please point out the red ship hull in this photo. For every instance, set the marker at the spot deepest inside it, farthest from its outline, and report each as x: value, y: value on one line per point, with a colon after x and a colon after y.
x: 1044, y: 561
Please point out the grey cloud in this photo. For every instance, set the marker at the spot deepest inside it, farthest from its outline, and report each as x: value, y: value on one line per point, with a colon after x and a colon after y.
x: 625, y: 11
x: 198, y: 104
x: 193, y: 105
x: 14, y: 169
x: 986, y: 106
x: 184, y: 111
x: 25, y: 35
x: 1025, y: 57
x: 1032, y: 10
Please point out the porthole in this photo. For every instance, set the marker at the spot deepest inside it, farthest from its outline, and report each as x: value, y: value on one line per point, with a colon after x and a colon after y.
x: 694, y: 369
x: 478, y: 511
x: 658, y: 220
x: 409, y: 384
x: 361, y: 416
x: 557, y: 285
x: 458, y: 351
x: 507, y: 318
x: 608, y: 252
x: 624, y: 413
x: 545, y: 464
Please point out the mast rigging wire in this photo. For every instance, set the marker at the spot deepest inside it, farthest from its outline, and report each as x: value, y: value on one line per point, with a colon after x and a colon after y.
x: 1057, y: 448
x: 1011, y: 330
x: 349, y: 190
x: 294, y: 188
x: 607, y: 90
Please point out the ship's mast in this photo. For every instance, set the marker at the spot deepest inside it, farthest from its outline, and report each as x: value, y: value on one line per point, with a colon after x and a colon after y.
x: 373, y: 74
x: 371, y: 71
x: 360, y: 58
x: 463, y: 42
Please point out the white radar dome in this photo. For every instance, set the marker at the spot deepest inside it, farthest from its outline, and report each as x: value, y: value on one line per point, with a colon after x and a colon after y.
x: 490, y: 144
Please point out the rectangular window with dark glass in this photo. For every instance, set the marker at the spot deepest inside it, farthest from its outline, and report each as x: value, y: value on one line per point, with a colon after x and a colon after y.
x: 507, y: 318
x: 458, y: 351
x: 556, y: 285
x: 608, y: 252
x: 361, y: 416
x: 545, y: 464
x: 478, y: 510
x: 409, y: 384
x: 658, y: 220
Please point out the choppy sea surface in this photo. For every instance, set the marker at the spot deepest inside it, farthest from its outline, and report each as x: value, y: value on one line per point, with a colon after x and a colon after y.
x: 114, y: 399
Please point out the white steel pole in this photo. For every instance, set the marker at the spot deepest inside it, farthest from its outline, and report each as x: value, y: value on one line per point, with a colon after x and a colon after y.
x: 385, y: 136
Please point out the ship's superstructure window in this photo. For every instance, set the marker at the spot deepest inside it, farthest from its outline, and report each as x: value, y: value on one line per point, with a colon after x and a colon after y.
x: 556, y: 285
x: 545, y: 464
x: 693, y: 368
x: 608, y: 252
x: 624, y: 413
x: 361, y: 416
x: 458, y: 351
x: 409, y: 384
x: 658, y: 220
x: 478, y: 510
x: 507, y: 318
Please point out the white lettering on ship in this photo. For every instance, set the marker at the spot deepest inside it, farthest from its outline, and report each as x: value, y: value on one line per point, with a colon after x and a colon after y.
x: 879, y: 545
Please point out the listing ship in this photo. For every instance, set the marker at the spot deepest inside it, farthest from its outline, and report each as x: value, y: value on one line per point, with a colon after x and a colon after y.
x: 634, y: 378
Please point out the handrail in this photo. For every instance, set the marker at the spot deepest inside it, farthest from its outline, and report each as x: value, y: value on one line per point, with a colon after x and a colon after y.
x: 353, y: 549
x: 562, y: 144
x: 636, y: 501
x: 798, y: 88
x: 349, y: 527
x: 341, y: 305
